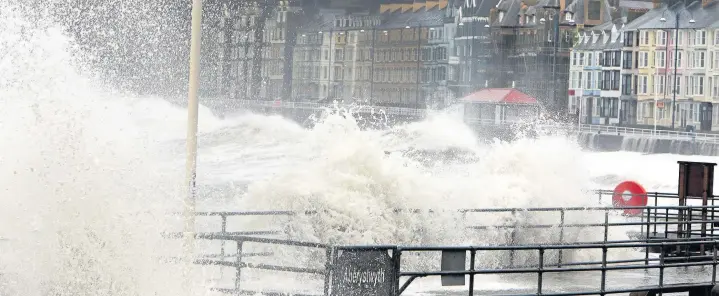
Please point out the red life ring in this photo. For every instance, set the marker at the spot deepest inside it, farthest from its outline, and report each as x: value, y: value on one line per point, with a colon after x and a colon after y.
x: 638, y: 197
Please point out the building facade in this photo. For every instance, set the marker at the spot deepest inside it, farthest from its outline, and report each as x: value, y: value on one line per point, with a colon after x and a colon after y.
x: 333, y: 57
x: 470, y: 54
x: 257, y: 44
x: 395, y: 56
x: 652, y: 51
x: 532, y: 41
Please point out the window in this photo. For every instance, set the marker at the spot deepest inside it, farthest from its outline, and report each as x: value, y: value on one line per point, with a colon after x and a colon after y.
x: 574, y: 58
x: 615, y: 80
x: 698, y: 85
x: 659, y: 84
x: 590, y: 59
x: 678, y: 87
x: 699, y: 59
x: 661, y: 38
x: 716, y: 37
x: 629, y: 39
x: 643, y: 59
x: 643, y: 38
x: 660, y: 59
x: 627, y: 60
x: 594, y: 10
x: 573, y: 80
x: 568, y: 16
x: 700, y: 37
x: 715, y: 87
x: 581, y: 59
x: 626, y: 84
x: 643, y: 84
x: 681, y: 37
x: 678, y: 61
x: 589, y: 80
x: 606, y: 80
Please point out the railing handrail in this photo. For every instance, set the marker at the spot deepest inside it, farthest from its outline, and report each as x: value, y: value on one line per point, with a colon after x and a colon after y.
x: 468, y: 210
x: 319, y: 106
x: 701, y: 137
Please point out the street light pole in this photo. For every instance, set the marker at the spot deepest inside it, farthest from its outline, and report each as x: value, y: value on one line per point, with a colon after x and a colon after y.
x: 192, y: 120
x: 676, y: 65
x: 554, y: 60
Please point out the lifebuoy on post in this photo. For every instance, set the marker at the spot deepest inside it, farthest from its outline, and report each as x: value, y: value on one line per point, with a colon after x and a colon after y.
x: 630, y: 194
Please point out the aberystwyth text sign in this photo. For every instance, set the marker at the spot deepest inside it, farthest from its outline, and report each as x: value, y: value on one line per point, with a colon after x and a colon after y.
x: 363, y: 272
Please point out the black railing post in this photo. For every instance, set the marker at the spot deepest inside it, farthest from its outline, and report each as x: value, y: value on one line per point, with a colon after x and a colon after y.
x: 238, y: 270
x: 472, y: 257
x: 397, y: 262
x: 714, y: 263
x: 540, y: 271
x: 330, y: 257
x: 224, y: 232
x: 606, y: 225
x: 643, y: 223
x: 561, y: 237
x: 713, y: 223
x: 604, y: 270
x: 656, y: 211
x: 666, y: 223
x: 646, y: 238
x: 662, y: 254
x: 512, y: 240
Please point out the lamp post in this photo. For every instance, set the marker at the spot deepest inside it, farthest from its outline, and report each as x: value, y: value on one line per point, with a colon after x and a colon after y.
x: 676, y: 56
x: 192, y: 119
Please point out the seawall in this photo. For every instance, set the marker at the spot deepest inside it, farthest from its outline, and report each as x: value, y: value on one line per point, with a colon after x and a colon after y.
x: 610, y: 142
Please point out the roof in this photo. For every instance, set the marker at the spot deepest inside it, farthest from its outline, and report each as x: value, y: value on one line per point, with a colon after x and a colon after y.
x: 500, y: 95
x: 664, y: 17
x: 425, y: 18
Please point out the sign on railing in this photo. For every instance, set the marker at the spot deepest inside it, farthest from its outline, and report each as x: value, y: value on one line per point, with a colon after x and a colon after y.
x: 363, y: 272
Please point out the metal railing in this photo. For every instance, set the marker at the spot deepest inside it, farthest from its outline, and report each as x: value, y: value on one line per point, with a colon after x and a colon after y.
x: 331, y: 106
x: 704, y: 246
x: 238, y: 264
x: 542, y: 268
x: 679, y: 244
x: 661, y: 215
x: 649, y: 133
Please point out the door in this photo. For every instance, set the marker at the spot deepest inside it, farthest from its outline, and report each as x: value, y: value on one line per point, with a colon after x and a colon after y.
x: 705, y: 116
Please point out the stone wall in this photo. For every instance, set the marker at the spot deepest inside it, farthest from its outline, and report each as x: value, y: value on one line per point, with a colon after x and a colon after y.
x: 606, y: 142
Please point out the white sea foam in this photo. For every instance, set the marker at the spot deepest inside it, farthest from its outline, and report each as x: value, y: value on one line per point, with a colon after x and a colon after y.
x: 82, y: 202
x: 88, y: 175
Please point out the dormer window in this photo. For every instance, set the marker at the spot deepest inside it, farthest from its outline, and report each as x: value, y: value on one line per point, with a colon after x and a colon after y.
x: 501, y: 15
x: 568, y: 16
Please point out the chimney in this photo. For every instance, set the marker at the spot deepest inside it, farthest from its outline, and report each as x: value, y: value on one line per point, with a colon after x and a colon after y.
x: 562, y: 5
x: 706, y: 2
x: 658, y: 3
